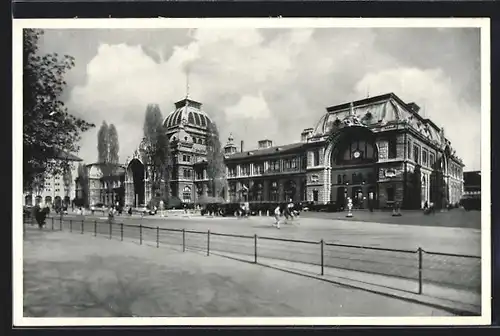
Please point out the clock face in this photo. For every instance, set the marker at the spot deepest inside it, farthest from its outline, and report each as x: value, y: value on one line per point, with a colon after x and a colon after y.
x: 357, y: 154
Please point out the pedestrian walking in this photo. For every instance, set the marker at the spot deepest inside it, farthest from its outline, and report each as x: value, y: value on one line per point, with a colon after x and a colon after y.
x: 111, y: 214
x: 277, y: 213
x: 162, y: 208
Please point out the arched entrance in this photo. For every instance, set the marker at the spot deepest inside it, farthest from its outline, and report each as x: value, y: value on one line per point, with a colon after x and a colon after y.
x: 48, y: 200
x: 38, y: 200
x: 135, y: 183
x: 351, y: 157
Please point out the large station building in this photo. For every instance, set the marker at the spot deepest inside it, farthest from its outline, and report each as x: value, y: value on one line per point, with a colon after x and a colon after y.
x: 378, y: 148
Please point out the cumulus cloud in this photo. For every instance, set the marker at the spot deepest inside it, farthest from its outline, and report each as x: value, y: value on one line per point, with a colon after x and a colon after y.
x: 275, y: 81
x: 436, y: 95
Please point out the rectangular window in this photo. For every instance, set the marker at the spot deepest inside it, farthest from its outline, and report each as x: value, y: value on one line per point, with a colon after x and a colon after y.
x: 390, y: 194
x: 315, y: 195
x: 416, y: 154
x: 409, y: 150
x: 188, y: 158
x: 431, y: 160
x: 184, y: 158
x: 232, y: 171
x: 187, y: 173
x: 424, y: 158
x: 304, y: 162
x: 316, y: 157
x: 199, y: 174
x: 274, y: 165
x: 245, y: 169
x: 258, y: 168
x: 392, y: 147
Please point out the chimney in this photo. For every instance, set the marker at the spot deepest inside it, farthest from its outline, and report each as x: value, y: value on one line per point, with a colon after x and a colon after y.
x: 241, y: 148
x: 414, y: 107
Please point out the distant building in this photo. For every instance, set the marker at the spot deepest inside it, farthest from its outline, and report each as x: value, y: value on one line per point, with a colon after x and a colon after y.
x: 186, y: 127
x: 54, y: 188
x: 472, y: 183
x: 379, y: 149
x: 99, y: 188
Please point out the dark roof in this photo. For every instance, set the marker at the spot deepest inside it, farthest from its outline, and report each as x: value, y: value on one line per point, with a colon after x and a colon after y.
x: 67, y: 156
x: 267, y: 151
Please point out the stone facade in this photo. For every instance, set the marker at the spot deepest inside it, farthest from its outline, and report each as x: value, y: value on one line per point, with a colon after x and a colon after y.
x: 377, y: 149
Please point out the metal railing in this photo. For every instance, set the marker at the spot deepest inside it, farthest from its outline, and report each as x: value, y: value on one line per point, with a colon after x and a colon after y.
x: 421, y: 266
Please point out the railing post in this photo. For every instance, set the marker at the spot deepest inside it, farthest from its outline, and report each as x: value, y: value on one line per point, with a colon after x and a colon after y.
x: 255, y: 248
x: 110, y: 230
x: 322, y: 257
x: 83, y: 223
x: 95, y: 228
x: 52, y: 223
x: 121, y: 231
x: 208, y: 243
x: 157, y: 236
x: 140, y: 233
x: 70, y: 225
x: 420, y: 270
x: 183, y: 240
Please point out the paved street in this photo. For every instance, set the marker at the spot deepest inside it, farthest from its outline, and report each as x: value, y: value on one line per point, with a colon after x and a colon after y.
x: 445, y: 270
x: 86, y: 277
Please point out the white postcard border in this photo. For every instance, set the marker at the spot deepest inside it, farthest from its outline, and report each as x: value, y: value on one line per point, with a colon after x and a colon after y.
x: 17, y: 232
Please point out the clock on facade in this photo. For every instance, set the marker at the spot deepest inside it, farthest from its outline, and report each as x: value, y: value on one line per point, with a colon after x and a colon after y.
x: 356, y: 154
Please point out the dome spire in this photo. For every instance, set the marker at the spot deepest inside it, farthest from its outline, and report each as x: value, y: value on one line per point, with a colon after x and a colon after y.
x: 187, y: 83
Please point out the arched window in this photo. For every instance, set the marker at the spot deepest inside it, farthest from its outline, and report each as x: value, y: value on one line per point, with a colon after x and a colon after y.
x: 273, y: 192
x: 355, y: 151
x: 186, y: 194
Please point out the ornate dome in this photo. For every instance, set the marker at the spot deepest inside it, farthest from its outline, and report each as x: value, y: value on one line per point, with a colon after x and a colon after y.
x: 182, y: 136
x: 190, y: 111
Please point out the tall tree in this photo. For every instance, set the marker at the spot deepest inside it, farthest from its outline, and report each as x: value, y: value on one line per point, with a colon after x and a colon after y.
x: 103, y: 143
x: 152, y: 119
x: 49, y: 130
x: 113, y: 145
x: 156, y: 151
x: 216, y: 169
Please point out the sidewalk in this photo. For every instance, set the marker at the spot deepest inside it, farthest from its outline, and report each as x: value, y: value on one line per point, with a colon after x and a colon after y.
x: 456, y: 301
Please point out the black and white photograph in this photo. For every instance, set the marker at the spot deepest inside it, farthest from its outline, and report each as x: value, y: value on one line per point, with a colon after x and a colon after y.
x: 251, y: 172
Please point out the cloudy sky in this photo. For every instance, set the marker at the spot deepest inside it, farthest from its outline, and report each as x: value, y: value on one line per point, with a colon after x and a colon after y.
x: 259, y: 83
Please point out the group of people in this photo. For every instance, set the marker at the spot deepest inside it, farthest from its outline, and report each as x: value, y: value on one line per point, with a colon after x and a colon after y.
x: 286, y: 210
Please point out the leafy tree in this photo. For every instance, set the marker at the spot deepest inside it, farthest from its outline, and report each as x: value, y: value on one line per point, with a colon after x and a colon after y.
x: 113, y: 144
x: 216, y: 169
x: 108, y: 147
x: 152, y: 119
x: 156, y: 152
x: 103, y: 143
x: 49, y: 130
